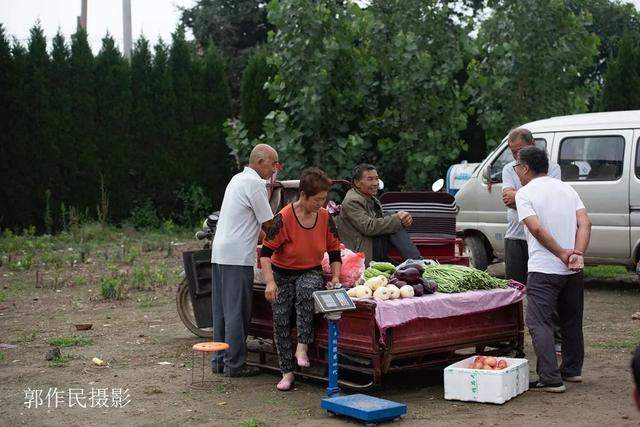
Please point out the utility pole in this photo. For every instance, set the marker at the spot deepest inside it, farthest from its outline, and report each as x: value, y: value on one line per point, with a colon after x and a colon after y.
x: 126, y: 26
x: 82, y: 19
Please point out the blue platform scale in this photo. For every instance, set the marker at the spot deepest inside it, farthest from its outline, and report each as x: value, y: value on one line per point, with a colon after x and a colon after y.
x: 365, y: 408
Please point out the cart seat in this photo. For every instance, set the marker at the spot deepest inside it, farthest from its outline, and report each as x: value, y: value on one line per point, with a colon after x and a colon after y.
x: 434, y: 214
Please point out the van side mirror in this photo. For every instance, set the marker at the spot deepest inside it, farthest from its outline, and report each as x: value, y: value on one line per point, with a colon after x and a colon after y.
x: 486, y: 175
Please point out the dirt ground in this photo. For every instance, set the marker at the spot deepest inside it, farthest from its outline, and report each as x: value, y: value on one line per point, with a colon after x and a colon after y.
x: 134, y: 335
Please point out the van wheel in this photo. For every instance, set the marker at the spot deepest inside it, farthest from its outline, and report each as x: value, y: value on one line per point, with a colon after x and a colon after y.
x: 475, y: 250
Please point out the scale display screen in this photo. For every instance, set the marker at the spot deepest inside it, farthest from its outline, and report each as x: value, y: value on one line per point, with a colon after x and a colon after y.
x: 333, y: 300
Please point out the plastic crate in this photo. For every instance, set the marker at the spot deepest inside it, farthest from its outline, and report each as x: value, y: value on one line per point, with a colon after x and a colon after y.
x: 478, y: 385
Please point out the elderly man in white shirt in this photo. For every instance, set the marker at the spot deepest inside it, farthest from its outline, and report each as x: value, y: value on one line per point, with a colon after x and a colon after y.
x: 245, y: 209
x: 515, y: 243
x: 558, y: 231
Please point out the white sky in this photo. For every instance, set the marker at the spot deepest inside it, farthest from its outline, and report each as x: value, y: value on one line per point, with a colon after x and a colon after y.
x: 152, y: 18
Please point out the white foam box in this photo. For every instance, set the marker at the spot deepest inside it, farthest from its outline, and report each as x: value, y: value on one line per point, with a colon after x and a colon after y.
x: 478, y: 385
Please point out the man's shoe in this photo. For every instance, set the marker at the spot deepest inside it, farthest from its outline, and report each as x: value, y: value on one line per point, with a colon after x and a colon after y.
x: 245, y: 371
x: 551, y: 388
x: 573, y: 379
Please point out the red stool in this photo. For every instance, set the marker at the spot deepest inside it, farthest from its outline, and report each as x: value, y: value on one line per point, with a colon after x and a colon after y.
x: 204, y: 348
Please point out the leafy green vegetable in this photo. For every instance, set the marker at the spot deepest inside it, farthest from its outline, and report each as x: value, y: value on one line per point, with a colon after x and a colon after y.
x: 459, y: 278
x: 385, y: 267
x: 373, y: 272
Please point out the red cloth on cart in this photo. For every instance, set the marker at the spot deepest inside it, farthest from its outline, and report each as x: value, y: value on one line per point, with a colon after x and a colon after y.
x: 397, y: 312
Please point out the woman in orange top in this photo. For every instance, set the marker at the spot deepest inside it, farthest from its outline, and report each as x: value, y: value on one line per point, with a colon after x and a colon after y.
x: 291, y: 259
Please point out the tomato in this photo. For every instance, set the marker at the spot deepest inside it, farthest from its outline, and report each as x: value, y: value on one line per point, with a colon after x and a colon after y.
x: 502, y: 364
x: 491, y: 361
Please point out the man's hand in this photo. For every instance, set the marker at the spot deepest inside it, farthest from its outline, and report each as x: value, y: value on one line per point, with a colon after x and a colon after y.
x: 576, y: 262
x: 271, y: 292
x: 564, y: 255
x: 509, y: 197
x: 405, y: 218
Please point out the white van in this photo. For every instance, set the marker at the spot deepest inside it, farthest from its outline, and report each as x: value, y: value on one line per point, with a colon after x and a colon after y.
x: 598, y: 154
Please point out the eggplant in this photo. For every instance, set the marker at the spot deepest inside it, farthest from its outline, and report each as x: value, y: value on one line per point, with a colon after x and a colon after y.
x: 418, y: 290
x: 429, y: 286
x: 410, y: 275
x: 415, y: 265
x: 400, y: 283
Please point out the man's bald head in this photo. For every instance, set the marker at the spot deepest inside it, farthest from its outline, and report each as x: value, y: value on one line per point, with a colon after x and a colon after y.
x: 262, y: 151
x: 263, y: 159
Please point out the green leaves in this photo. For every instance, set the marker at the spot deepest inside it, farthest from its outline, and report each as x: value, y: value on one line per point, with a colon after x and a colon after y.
x: 525, y: 73
x: 622, y: 79
x: 349, y: 88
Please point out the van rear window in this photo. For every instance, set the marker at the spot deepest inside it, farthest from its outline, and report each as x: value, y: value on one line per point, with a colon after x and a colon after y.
x: 591, y: 158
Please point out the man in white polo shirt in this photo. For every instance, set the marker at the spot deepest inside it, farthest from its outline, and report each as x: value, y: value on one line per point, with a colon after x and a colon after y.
x: 516, y: 255
x: 245, y: 209
x: 558, y: 230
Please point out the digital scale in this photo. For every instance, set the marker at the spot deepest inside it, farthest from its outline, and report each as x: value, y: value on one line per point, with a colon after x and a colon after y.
x: 365, y: 408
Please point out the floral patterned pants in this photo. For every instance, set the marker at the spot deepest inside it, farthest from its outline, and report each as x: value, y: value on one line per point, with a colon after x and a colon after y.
x: 294, y: 291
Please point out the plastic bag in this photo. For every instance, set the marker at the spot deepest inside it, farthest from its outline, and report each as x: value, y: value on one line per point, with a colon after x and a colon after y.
x: 352, y: 266
x: 423, y: 262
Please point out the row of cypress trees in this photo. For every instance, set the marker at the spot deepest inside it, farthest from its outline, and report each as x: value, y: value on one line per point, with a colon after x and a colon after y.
x: 103, y: 137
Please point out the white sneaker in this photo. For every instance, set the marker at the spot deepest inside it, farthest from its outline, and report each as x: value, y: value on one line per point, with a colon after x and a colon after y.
x: 574, y: 379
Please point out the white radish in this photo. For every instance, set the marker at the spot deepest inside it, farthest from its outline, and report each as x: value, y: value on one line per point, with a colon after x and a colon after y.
x: 406, y: 291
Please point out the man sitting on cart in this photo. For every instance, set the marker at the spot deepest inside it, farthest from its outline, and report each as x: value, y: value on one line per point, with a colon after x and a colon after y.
x: 291, y: 260
x: 363, y: 227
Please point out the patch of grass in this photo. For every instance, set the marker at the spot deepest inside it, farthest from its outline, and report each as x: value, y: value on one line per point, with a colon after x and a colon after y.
x: 3, y: 296
x: 251, y: 422
x: 70, y: 341
x: 141, y: 278
x: 2, y: 357
x: 605, y: 271
x: 146, y: 278
x: 146, y: 302
x: 26, y: 337
x: 620, y: 344
x: 21, y: 264
x: 54, y: 259
x: 112, y: 287
x: 59, y: 361
x: 80, y: 280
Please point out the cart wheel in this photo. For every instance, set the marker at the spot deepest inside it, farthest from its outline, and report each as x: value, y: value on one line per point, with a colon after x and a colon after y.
x: 185, y: 311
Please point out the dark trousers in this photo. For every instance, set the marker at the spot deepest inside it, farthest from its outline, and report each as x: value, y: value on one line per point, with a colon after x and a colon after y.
x: 295, y: 292
x: 231, y: 294
x: 516, y: 257
x: 400, y: 240
x: 546, y: 294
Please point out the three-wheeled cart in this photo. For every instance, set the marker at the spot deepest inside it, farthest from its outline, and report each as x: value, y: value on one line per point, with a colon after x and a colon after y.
x: 366, y: 347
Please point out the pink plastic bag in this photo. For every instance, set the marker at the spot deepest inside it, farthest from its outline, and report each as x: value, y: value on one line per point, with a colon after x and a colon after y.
x: 352, y: 266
